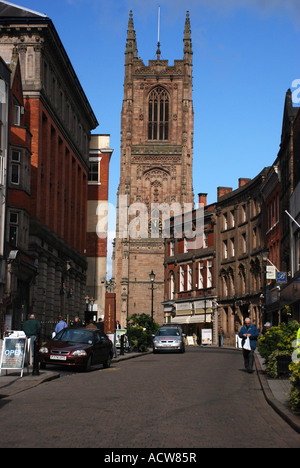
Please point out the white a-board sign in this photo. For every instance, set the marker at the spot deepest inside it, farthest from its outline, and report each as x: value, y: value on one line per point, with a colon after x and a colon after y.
x: 13, y: 354
x: 206, y: 336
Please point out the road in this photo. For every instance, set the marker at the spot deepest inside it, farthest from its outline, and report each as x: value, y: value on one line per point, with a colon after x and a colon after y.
x: 202, y: 398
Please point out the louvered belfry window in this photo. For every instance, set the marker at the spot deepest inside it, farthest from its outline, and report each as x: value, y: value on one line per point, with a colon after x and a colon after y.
x: 158, y: 126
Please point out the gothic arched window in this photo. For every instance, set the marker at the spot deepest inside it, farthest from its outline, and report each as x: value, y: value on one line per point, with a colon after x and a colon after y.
x: 158, y: 123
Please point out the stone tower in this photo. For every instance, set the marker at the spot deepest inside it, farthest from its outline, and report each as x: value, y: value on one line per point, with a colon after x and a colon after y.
x: 157, y: 124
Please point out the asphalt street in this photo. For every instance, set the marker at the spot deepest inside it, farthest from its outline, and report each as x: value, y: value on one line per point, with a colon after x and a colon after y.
x: 200, y: 399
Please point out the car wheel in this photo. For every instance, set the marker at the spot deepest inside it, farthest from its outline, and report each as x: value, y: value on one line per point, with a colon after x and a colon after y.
x: 42, y: 365
x: 107, y: 363
x: 88, y: 364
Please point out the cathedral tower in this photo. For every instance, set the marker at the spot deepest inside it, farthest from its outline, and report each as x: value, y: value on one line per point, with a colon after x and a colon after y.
x: 157, y: 123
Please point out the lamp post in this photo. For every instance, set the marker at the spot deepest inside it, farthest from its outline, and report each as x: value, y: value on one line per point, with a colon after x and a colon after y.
x: 152, y: 279
x: 263, y: 300
x: 89, y: 301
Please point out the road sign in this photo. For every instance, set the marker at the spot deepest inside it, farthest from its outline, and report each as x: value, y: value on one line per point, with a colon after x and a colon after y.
x: 281, y: 277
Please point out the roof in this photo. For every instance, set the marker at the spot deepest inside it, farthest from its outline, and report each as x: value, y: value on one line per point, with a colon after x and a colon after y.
x: 245, y: 187
x: 18, y: 15
x: 10, y: 10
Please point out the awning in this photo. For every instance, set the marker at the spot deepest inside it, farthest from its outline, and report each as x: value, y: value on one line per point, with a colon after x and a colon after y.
x: 182, y: 319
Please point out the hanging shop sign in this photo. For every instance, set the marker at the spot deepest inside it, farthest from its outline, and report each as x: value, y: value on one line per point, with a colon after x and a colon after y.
x: 271, y: 272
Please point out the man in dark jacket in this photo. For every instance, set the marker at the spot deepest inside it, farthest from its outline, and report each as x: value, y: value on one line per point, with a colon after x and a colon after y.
x: 32, y: 328
x: 250, y: 330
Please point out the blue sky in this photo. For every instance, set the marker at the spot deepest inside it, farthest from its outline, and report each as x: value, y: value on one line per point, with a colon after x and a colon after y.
x: 246, y: 56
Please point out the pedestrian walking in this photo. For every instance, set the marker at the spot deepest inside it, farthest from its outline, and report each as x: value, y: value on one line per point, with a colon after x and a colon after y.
x: 266, y: 327
x: 32, y: 329
x: 221, y: 336
x: 77, y: 323
x: 100, y: 325
x: 248, y: 330
x: 61, y: 325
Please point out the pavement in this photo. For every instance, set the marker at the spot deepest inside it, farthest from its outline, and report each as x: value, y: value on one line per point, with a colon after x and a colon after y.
x: 276, y: 391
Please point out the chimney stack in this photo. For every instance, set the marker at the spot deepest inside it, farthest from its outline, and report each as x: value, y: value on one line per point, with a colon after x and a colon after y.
x: 223, y: 191
x: 243, y: 182
x: 202, y: 199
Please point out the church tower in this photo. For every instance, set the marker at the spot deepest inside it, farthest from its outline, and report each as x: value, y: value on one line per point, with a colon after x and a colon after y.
x: 157, y: 124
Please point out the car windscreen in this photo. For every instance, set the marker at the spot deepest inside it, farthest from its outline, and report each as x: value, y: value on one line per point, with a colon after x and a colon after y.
x: 168, y: 332
x: 76, y: 336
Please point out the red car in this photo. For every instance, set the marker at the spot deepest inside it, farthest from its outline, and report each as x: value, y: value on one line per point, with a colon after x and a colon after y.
x: 78, y: 347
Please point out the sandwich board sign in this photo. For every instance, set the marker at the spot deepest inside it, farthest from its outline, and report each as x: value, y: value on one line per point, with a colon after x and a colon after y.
x: 206, y: 336
x: 13, y: 354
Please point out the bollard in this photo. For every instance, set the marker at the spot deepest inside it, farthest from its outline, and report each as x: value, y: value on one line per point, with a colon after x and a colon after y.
x: 35, y: 370
x: 122, y: 346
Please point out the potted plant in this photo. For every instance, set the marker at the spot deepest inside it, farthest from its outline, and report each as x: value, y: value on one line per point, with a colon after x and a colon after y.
x: 275, y: 346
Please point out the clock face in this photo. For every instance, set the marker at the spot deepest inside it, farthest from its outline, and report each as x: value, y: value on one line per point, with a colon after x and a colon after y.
x: 155, y: 226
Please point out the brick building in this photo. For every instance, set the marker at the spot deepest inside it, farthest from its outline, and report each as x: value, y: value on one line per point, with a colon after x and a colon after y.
x: 286, y: 163
x: 97, y: 219
x: 220, y: 282
x: 190, y: 280
x: 239, y: 262
x: 288, y: 160
x: 4, y: 149
x: 156, y: 170
x: 60, y: 119
x: 21, y: 270
x: 271, y: 191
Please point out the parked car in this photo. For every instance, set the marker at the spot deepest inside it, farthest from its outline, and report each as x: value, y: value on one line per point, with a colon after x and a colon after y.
x: 78, y: 347
x: 169, y: 339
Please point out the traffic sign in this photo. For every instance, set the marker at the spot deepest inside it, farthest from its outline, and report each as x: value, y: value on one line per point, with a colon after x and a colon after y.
x: 281, y: 277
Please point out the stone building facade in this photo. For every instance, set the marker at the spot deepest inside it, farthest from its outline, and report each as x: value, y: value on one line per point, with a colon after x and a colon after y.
x: 156, y: 170
x: 59, y: 119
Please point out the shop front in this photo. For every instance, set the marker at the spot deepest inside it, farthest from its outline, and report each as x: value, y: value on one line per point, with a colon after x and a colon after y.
x: 196, y: 319
x: 290, y: 300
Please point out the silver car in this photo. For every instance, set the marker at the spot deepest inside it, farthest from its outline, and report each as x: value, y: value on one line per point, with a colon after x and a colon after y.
x: 169, y: 339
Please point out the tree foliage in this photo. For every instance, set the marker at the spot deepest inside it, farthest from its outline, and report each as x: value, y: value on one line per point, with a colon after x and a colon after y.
x: 140, y: 330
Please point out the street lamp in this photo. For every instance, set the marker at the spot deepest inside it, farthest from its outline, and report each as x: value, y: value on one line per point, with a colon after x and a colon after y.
x: 263, y: 300
x: 89, y: 301
x: 152, y: 279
